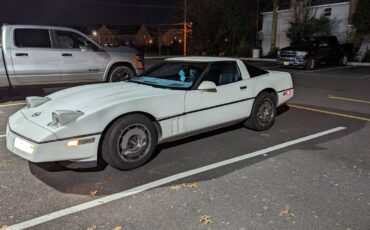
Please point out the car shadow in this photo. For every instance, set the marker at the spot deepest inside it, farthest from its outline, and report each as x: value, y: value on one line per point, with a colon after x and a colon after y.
x: 194, y: 152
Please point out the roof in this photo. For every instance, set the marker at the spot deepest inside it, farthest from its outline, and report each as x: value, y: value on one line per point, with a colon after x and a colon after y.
x: 285, y: 4
x: 200, y: 59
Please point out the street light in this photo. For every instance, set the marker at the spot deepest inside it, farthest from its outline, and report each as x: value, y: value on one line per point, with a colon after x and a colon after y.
x: 94, y: 33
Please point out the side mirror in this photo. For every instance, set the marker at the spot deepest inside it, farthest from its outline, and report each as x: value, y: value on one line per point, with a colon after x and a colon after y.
x: 207, y: 86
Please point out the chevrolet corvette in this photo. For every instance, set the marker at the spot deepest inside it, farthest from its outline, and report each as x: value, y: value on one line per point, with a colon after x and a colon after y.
x: 122, y: 123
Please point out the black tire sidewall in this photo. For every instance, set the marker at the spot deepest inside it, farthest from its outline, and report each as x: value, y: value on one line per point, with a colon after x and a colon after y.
x: 115, y: 69
x: 310, y: 60
x: 252, y: 121
x: 110, y: 152
x: 341, y: 61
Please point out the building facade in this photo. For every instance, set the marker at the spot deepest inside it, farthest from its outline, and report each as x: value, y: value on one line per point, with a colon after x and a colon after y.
x: 338, y: 12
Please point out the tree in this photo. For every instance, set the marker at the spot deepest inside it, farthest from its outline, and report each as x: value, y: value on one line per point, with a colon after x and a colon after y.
x: 361, y: 18
x: 235, y: 29
x: 304, y: 24
x: 222, y: 26
x: 274, y: 24
x: 206, y: 16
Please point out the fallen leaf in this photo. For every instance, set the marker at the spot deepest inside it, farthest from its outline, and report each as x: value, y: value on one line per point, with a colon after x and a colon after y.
x: 117, y: 228
x: 343, y: 187
x: 192, y: 185
x: 4, y: 227
x: 110, y: 178
x: 286, y: 212
x: 205, y: 219
x: 93, y: 193
x: 176, y: 187
x: 90, y: 228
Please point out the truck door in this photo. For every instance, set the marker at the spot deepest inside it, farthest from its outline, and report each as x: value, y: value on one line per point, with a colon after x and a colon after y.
x: 81, y: 60
x: 33, y: 57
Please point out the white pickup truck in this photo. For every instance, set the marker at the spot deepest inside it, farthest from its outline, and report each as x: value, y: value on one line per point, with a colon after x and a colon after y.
x: 39, y: 55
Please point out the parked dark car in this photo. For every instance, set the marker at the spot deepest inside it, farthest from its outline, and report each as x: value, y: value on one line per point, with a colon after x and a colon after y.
x: 310, y: 52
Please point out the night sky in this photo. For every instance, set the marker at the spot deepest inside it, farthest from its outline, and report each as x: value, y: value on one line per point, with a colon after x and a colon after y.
x: 90, y: 12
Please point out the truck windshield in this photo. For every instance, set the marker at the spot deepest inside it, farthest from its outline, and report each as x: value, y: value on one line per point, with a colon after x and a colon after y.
x: 173, y: 75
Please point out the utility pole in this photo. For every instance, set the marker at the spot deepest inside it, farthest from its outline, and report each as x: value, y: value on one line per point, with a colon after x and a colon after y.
x: 274, y: 24
x: 159, y: 41
x: 185, y: 28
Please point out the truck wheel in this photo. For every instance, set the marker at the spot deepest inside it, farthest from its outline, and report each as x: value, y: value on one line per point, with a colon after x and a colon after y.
x: 129, y: 142
x: 311, y: 63
x: 263, y: 112
x: 343, y: 60
x: 120, y: 73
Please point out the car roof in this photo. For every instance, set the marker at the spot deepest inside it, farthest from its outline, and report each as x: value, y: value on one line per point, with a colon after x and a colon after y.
x: 200, y: 59
x: 39, y: 27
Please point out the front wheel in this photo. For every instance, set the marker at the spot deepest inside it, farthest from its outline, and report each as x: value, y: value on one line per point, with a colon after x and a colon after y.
x: 311, y: 63
x: 263, y: 112
x: 120, y: 73
x: 129, y: 142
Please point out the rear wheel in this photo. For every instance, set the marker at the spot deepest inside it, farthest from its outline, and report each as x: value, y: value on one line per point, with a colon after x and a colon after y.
x: 343, y: 60
x: 120, y: 73
x: 263, y: 112
x: 129, y: 142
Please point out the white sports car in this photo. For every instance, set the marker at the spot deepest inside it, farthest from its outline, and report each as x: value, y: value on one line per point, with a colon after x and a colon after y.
x: 123, y: 122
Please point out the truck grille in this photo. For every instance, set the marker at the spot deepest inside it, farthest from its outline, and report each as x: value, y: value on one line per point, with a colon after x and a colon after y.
x: 287, y: 54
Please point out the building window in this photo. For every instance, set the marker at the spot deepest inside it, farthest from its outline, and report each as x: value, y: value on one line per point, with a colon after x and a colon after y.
x: 327, y: 12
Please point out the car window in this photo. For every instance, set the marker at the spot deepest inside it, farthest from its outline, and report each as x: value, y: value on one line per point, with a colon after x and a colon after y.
x: 176, y: 75
x: 72, y: 40
x: 254, y: 71
x: 32, y: 38
x: 223, y: 73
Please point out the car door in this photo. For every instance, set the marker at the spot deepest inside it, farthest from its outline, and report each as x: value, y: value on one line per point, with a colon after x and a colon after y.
x: 33, y: 57
x: 229, y: 103
x: 81, y: 60
x: 323, y: 51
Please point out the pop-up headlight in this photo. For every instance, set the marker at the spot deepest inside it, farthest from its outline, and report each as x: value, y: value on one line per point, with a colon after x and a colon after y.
x: 63, y: 117
x: 36, y: 101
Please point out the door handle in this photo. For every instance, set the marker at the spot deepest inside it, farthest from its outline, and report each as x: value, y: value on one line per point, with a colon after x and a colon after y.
x: 21, y: 54
x: 66, y: 55
x: 243, y: 87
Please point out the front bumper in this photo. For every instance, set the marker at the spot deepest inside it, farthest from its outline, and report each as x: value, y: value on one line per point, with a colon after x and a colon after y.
x: 44, y: 148
x: 292, y: 61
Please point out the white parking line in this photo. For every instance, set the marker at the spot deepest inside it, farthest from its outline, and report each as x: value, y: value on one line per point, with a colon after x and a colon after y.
x: 2, y: 136
x: 167, y: 180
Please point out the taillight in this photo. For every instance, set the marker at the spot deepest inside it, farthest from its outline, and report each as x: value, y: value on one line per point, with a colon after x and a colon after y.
x: 288, y: 92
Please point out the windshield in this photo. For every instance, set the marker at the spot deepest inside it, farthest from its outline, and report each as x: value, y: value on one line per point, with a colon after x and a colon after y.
x: 173, y: 75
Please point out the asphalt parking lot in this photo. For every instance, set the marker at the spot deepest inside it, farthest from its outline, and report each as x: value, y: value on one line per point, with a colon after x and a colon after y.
x: 310, y: 171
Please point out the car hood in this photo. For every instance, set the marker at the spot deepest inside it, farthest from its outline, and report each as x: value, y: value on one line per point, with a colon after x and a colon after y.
x: 297, y: 48
x: 91, y: 98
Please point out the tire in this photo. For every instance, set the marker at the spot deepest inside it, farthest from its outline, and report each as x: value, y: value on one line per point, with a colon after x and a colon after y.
x: 343, y: 61
x: 129, y: 142
x: 311, y: 63
x: 260, y: 122
x: 120, y: 73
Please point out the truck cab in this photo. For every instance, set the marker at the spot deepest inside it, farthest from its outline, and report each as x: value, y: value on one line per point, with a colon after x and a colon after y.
x: 38, y: 55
